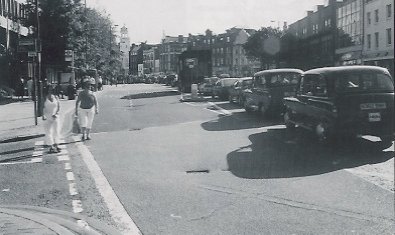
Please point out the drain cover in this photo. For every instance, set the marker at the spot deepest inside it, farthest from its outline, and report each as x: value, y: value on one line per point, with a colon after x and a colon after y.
x: 197, y: 171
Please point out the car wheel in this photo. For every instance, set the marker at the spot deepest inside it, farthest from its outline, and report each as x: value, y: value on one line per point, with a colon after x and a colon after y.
x: 230, y: 99
x: 323, y: 132
x: 287, y: 121
x: 262, y: 111
x: 245, y: 105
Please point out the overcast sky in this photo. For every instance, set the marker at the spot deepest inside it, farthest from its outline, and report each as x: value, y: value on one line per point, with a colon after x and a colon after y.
x: 148, y: 20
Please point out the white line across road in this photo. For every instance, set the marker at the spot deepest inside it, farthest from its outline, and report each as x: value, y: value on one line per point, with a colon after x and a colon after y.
x: 115, y: 207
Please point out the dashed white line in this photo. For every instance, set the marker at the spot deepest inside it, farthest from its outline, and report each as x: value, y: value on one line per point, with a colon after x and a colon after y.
x: 70, y: 176
x: 37, y: 153
x: 67, y: 166
x: 77, y: 206
x: 73, y: 191
x: 36, y: 160
x: 63, y: 158
x: 39, y: 143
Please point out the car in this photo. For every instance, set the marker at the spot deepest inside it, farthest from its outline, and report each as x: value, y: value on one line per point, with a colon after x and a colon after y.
x: 344, y: 101
x: 222, y: 86
x: 206, y: 87
x: 269, y: 88
x: 236, y: 92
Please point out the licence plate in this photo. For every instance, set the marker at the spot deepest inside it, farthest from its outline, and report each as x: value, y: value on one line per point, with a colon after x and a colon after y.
x: 374, y: 117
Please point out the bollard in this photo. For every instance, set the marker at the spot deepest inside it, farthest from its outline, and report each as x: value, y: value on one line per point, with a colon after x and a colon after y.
x: 194, y: 91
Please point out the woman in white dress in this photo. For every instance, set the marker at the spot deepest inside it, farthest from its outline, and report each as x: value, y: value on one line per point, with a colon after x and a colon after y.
x: 51, y: 120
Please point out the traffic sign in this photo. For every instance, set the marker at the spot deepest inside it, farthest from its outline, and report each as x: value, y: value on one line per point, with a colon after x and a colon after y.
x: 32, y: 53
x: 26, y: 42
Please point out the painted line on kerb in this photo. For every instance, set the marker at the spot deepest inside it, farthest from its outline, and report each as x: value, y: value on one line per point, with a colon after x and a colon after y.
x: 221, y: 110
x: 115, y: 207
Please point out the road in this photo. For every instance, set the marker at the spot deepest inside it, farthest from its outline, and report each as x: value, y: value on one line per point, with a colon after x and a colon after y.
x: 211, y: 168
x: 174, y: 167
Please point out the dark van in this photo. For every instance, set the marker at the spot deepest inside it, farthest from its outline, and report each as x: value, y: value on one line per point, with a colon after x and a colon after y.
x: 269, y: 88
x: 350, y: 100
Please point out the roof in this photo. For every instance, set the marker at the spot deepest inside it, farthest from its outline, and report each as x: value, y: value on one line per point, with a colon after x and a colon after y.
x: 246, y: 78
x: 284, y: 70
x: 351, y: 68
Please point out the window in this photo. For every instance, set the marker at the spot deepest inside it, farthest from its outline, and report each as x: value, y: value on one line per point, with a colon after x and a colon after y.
x: 363, y: 81
x: 228, y: 39
x: 368, y: 18
x: 376, y: 39
x: 389, y: 35
x: 369, y: 41
x: 314, y: 85
x: 376, y: 15
x: 389, y: 11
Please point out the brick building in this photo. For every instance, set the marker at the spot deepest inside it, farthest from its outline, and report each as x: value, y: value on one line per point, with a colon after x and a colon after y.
x: 378, y: 47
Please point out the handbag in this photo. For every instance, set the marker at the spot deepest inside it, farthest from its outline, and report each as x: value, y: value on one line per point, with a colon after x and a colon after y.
x: 76, y: 126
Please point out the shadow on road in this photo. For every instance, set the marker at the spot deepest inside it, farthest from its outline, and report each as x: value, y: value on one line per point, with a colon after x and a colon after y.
x: 277, y: 153
x: 238, y: 121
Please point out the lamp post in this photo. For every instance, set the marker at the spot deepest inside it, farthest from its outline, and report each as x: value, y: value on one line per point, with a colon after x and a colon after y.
x: 110, y: 49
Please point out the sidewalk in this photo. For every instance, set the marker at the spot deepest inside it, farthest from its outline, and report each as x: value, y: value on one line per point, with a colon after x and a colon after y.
x: 17, y: 120
x: 38, y: 220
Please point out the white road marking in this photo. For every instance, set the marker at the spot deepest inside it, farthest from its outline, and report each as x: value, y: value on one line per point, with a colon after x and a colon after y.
x: 37, y: 153
x: 72, y: 190
x: 83, y: 224
x: 63, y: 151
x: 67, y: 166
x: 39, y: 143
x: 221, y: 110
x: 70, y: 176
x: 36, y: 160
x: 77, y: 206
x: 5, y: 190
x: 115, y: 207
x: 63, y: 158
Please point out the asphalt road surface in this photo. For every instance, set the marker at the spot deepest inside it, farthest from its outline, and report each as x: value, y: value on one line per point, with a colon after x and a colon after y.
x: 211, y: 168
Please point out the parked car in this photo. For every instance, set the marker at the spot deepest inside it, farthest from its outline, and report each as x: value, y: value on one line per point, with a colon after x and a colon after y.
x: 206, y: 87
x: 349, y: 100
x: 222, y: 86
x: 236, y: 91
x: 269, y: 88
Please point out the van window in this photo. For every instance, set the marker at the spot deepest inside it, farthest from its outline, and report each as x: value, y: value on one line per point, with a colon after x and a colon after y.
x: 284, y: 79
x: 314, y: 85
x: 260, y: 81
x: 363, y: 82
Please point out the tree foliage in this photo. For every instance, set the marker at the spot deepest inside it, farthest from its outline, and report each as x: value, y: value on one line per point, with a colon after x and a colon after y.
x: 264, y: 45
x: 70, y: 25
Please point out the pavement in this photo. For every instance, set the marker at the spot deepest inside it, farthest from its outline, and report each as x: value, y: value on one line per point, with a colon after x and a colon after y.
x: 17, y: 124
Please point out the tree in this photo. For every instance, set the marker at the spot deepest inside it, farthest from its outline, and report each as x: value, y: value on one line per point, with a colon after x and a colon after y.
x: 264, y: 45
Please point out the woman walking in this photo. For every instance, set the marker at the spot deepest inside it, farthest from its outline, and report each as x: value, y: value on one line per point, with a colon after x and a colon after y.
x: 85, y: 109
x: 51, y: 120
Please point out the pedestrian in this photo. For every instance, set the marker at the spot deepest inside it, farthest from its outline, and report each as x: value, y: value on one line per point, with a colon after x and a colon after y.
x: 51, y: 120
x: 85, y: 109
x: 100, y: 83
x: 29, y: 85
x: 21, y: 88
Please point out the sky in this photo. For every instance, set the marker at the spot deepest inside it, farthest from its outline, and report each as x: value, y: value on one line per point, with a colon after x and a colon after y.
x: 149, y: 20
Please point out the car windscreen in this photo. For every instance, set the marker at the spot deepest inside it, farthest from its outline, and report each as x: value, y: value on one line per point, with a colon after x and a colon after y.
x: 363, y: 81
x: 228, y: 82
x: 281, y: 79
x: 247, y: 82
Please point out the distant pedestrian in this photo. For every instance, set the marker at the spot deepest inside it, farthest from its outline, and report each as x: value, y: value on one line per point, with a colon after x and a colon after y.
x: 100, y: 84
x: 20, y: 88
x: 51, y: 120
x: 85, y: 109
x: 30, y: 88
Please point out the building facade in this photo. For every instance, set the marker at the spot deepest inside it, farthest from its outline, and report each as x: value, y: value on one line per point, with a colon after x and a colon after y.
x: 228, y: 55
x: 313, y: 39
x: 349, y: 38
x: 13, y: 62
x: 378, y: 46
x: 169, y: 50
x: 151, y: 60
x: 124, y: 47
x: 136, y: 60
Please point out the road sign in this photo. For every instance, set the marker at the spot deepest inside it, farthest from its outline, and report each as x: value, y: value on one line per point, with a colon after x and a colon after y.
x: 26, y: 42
x: 68, y: 55
x: 32, y: 53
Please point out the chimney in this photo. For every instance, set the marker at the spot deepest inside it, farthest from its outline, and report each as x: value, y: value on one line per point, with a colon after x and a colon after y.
x: 320, y: 7
x: 180, y: 38
x: 285, y: 26
x: 309, y: 13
